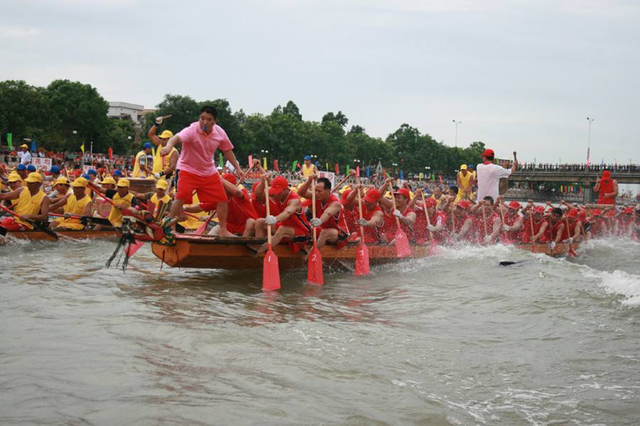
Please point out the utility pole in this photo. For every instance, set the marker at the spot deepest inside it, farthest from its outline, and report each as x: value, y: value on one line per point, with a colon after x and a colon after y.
x: 456, y: 123
x: 590, y: 120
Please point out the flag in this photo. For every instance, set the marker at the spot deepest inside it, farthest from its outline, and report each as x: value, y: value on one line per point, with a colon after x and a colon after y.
x: 368, y: 171
x: 337, y: 169
x: 33, y: 144
x: 347, y: 169
x: 298, y: 165
x: 275, y: 165
x: 293, y: 165
x: 420, y: 176
x: 110, y: 153
x: 82, y: 148
x: 358, y: 171
x: 401, y: 174
x: 10, y: 141
x: 220, y: 163
x: 264, y: 163
x: 250, y: 159
x: 440, y: 177
x: 326, y: 166
x: 384, y: 173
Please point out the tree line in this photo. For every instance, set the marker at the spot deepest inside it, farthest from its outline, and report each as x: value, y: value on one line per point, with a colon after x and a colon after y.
x: 51, y: 114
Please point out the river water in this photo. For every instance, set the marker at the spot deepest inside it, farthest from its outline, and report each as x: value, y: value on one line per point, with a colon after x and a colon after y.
x: 453, y: 339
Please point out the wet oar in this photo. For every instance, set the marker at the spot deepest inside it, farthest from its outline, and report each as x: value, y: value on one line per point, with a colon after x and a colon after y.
x: 314, y: 262
x: 503, y: 235
x: 35, y: 225
x: 484, y: 220
x: 362, y: 255
x: 402, y: 241
x: 571, y: 252
x: 270, y: 269
x: 432, y: 249
x: 96, y: 220
x: 202, y: 227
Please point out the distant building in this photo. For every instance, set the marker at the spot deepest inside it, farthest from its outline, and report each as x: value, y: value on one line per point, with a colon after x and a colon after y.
x: 125, y: 110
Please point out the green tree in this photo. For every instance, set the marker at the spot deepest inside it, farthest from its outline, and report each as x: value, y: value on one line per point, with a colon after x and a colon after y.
x: 184, y: 110
x: 24, y: 110
x: 339, y: 118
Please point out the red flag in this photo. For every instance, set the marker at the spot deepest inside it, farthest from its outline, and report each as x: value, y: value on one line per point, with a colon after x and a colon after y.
x: 275, y: 165
x: 384, y: 173
x: 110, y: 153
x: 298, y: 165
x: 337, y: 169
x: 358, y: 171
x: 440, y: 177
x: 250, y: 159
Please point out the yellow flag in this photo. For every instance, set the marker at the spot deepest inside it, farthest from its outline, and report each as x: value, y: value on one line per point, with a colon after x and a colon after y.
x: 264, y: 162
x: 82, y: 147
x: 153, y: 152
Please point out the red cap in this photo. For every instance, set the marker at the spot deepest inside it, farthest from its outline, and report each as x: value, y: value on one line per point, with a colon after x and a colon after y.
x: 372, y: 196
x: 278, y: 185
x: 628, y: 210
x: 572, y: 213
x: 465, y: 204
x: 404, y: 192
x: 596, y: 212
x: 488, y: 153
x: 514, y: 205
x: 229, y: 177
x: 345, y: 194
x: 432, y: 203
x: 610, y: 213
x: 538, y: 209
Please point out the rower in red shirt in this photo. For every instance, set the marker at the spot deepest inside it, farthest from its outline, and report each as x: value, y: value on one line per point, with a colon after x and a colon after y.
x: 486, y: 222
x: 597, y: 224
x: 423, y: 229
x: 607, y: 188
x: 460, y: 223
x: 625, y: 222
x: 372, y: 216
x: 538, y: 232
x: 349, y: 202
x: 329, y: 218
x: 403, y: 212
x: 287, y: 215
x: 513, y: 221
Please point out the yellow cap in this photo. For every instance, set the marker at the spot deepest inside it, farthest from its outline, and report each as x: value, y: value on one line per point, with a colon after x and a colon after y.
x: 166, y: 134
x: 162, y: 184
x: 108, y: 181
x: 463, y: 167
x: 14, y: 177
x: 24, y: 145
x: 124, y: 183
x: 80, y: 183
x: 34, y: 177
x: 61, y: 181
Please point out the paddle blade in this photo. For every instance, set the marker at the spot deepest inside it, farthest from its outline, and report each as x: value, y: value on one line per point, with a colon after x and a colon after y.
x: 362, y: 260
x: 133, y: 248
x: 270, y: 272
x: 201, y: 228
x: 314, y: 267
x: 572, y: 252
x: 402, y: 244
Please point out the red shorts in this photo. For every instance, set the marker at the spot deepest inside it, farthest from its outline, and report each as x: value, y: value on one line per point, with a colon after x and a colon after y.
x: 209, y: 189
x: 10, y: 224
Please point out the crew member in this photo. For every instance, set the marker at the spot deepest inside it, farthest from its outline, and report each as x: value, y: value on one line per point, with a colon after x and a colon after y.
x: 607, y: 188
x: 489, y: 174
x: 78, y: 204
x: 465, y: 184
x: 142, y: 168
x: 32, y: 205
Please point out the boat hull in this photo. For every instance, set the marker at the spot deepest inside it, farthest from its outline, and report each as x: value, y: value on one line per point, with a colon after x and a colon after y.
x: 73, y: 235
x: 211, y: 253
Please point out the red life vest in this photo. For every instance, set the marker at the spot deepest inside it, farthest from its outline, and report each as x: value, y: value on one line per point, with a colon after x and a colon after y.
x: 390, y: 226
x: 606, y: 187
x: 510, y: 221
x: 526, y: 230
x: 478, y: 225
x: 240, y: 210
x: 298, y: 220
x: 370, y: 233
x: 335, y: 222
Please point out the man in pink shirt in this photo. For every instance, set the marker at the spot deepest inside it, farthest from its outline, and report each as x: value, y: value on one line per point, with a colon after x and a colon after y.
x: 198, y: 170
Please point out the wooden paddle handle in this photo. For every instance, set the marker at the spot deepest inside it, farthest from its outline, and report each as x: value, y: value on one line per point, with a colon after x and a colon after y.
x: 360, y: 207
x: 426, y: 213
x: 313, y: 207
x: 484, y: 219
x: 266, y: 201
x: 341, y: 182
x: 393, y: 199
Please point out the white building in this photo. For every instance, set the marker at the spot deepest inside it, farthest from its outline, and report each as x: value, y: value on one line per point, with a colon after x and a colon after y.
x: 125, y: 110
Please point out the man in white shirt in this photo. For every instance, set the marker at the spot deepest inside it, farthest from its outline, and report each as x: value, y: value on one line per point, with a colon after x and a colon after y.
x: 488, y: 175
x: 25, y: 155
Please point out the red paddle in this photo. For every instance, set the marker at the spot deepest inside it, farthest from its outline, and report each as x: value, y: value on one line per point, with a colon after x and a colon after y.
x: 362, y: 255
x: 270, y: 269
x: 314, y: 263
x: 402, y: 241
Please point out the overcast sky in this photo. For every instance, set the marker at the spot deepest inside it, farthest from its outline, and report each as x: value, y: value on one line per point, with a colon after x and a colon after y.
x: 519, y: 75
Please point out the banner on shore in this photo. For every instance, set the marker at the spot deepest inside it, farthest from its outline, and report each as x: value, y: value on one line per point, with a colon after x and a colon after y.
x: 329, y: 175
x: 42, y: 163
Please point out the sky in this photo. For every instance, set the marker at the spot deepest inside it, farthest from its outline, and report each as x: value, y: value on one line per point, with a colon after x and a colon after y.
x: 519, y: 75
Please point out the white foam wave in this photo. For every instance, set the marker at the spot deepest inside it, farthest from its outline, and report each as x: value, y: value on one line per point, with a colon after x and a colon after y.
x: 620, y: 283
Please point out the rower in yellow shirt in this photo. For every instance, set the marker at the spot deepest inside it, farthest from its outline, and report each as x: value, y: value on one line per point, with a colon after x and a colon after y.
x: 308, y: 169
x: 465, y: 183
x: 123, y: 199
x: 32, y: 205
x: 78, y: 204
x: 142, y: 168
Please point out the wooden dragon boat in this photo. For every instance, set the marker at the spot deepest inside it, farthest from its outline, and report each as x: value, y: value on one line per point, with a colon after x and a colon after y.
x: 208, y: 252
x: 36, y: 235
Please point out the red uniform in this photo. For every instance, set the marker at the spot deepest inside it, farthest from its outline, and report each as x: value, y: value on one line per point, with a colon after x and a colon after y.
x: 420, y: 230
x: 606, y: 187
x: 478, y: 226
x: 371, y: 235
x: 261, y: 208
x: 526, y: 230
x: 298, y: 220
x: 390, y: 227
x: 240, y: 210
x: 510, y: 220
x: 597, y: 226
x: 335, y: 222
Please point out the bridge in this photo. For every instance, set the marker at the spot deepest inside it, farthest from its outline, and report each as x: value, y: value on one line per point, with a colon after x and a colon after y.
x: 586, y: 176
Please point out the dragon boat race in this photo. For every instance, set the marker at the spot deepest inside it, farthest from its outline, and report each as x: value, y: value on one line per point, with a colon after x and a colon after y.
x: 319, y: 213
